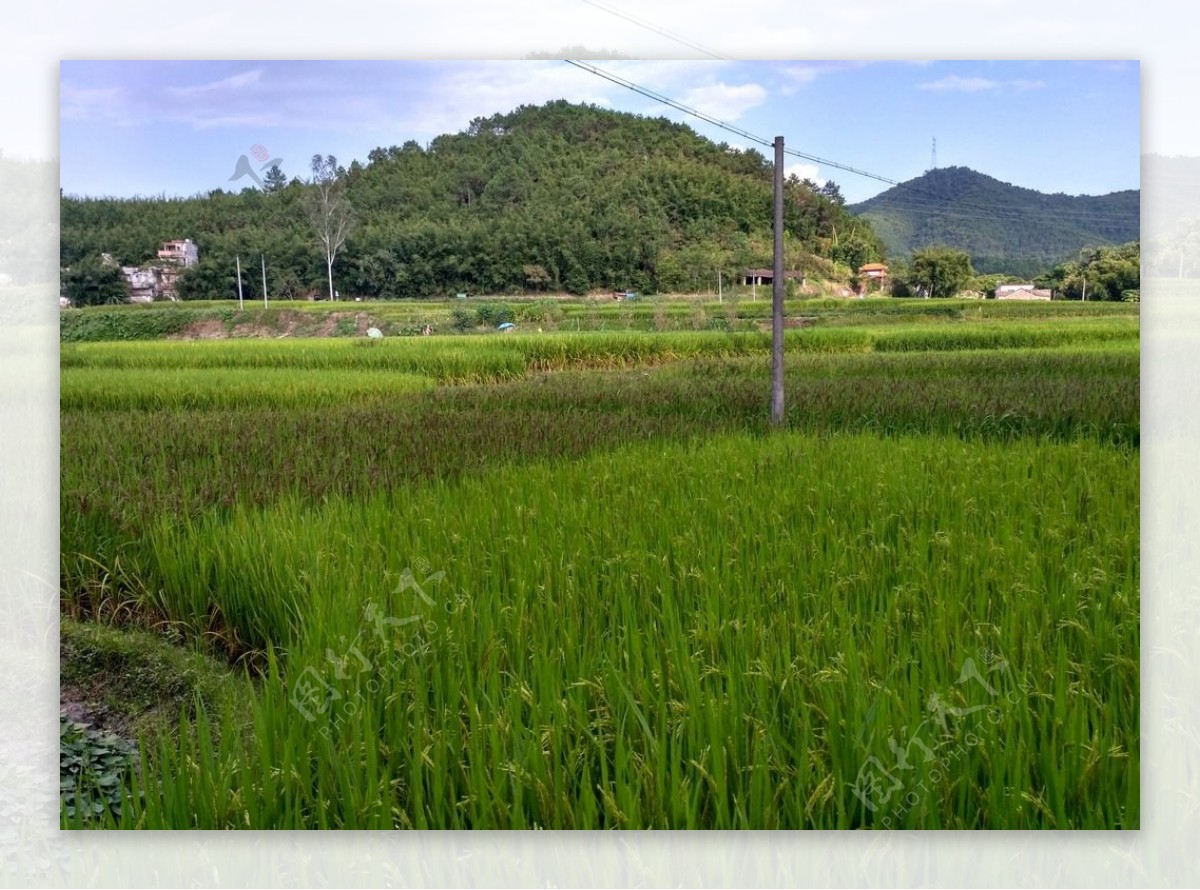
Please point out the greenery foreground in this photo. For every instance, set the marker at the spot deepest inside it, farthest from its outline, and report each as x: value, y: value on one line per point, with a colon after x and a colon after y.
x: 574, y: 580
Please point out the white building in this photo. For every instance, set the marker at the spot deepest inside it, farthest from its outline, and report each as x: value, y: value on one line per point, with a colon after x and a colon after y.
x: 183, y: 252
x: 1022, y: 292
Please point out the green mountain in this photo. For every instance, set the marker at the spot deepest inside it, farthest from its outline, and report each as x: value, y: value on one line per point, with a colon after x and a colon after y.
x: 1003, y: 227
x: 554, y: 197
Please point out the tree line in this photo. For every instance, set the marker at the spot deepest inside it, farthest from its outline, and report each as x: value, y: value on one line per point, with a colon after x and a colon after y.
x: 1111, y: 272
x: 558, y: 197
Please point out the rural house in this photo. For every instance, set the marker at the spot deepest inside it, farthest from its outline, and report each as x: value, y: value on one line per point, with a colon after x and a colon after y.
x: 872, y: 276
x: 1022, y: 292
x: 184, y: 252
x: 767, y: 276
x: 157, y: 280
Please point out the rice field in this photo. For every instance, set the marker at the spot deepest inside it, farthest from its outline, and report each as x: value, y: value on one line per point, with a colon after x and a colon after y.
x: 575, y: 581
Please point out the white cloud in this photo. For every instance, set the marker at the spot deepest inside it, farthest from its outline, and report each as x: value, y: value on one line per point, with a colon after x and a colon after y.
x: 804, y: 171
x: 955, y: 83
x: 794, y: 77
x: 725, y: 101
x: 229, y: 84
x: 452, y: 96
x: 89, y: 103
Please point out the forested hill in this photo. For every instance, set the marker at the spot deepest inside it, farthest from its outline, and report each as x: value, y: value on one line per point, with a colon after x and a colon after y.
x: 1003, y: 227
x: 559, y: 196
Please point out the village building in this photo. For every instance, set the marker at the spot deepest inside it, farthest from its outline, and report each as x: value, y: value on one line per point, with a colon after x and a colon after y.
x: 761, y: 277
x: 872, y: 276
x: 145, y: 284
x: 156, y: 281
x: 184, y: 252
x: 1023, y: 292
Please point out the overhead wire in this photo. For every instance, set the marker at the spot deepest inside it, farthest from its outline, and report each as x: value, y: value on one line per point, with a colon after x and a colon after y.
x: 915, y: 194
x: 657, y: 29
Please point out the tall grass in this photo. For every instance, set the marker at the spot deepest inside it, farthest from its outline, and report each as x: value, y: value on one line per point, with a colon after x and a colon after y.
x: 183, y: 389
x: 714, y: 636
x: 652, y: 613
x: 511, y: 355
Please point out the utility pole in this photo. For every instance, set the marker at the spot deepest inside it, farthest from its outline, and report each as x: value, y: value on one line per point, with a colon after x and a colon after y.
x: 777, y: 295
x: 264, y: 271
x: 719, y: 299
x: 239, y: 275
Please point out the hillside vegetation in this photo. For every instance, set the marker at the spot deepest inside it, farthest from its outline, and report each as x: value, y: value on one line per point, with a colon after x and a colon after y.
x: 1004, y: 228
x: 557, y: 197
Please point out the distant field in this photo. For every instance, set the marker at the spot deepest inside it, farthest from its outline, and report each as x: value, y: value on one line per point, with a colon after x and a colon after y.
x: 206, y: 320
x: 573, y: 580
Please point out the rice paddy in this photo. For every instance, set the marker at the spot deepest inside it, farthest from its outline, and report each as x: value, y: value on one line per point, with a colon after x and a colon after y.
x: 573, y: 580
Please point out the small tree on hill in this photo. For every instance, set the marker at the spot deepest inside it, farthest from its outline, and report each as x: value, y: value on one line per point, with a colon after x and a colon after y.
x: 275, y: 180
x: 328, y: 209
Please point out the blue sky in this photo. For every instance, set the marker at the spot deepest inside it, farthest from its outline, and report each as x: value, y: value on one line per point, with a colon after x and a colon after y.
x: 178, y: 127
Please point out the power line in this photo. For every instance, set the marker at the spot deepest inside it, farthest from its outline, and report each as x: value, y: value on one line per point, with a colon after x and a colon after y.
x: 650, y: 26
x: 923, y: 200
x: 983, y: 212
x: 658, y: 97
x: 912, y: 197
x: 717, y: 122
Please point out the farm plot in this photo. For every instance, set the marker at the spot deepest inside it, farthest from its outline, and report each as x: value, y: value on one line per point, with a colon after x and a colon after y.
x: 575, y: 582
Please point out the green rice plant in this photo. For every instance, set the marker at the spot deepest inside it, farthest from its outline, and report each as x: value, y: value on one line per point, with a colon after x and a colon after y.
x: 511, y: 355
x: 711, y: 628
x: 713, y: 635
x: 108, y: 388
x: 1008, y: 336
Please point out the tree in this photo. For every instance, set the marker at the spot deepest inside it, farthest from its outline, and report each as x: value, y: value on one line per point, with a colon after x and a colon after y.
x: 854, y: 251
x: 213, y: 278
x: 93, y: 282
x: 833, y: 192
x: 274, y: 181
x: 940, y: 271
x: 1103, y: 273
x: 328, y: 209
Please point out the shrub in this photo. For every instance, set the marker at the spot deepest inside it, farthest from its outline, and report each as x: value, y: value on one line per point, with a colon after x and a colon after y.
x: 492, y: 314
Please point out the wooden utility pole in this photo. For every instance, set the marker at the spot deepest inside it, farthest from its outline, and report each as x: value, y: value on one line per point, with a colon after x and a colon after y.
x: 777, y: 292
x: 239, y: 275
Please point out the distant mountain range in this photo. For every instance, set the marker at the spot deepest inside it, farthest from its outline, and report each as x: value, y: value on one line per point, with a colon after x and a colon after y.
x: 1003, y: 227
